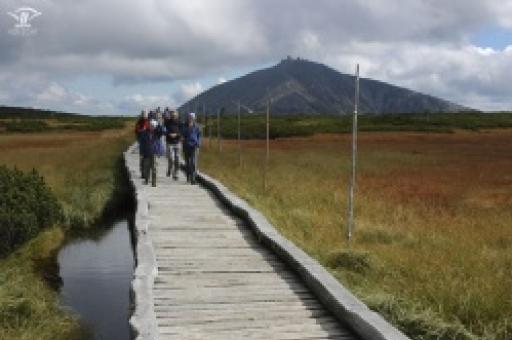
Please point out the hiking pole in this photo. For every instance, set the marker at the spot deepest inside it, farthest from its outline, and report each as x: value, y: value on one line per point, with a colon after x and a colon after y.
x: 350, y: 224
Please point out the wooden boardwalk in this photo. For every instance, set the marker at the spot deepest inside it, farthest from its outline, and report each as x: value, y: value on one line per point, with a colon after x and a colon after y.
x: 215, y: 281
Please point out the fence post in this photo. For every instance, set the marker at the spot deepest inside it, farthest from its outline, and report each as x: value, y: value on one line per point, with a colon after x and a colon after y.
x: 350, y: 222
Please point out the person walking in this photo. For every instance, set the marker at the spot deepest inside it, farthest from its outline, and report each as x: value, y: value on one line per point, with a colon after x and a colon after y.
x: 160, y: 144
x: 141, y: 126
x: 173, y: 140
x: 191, y: 144
x: 150, y: 140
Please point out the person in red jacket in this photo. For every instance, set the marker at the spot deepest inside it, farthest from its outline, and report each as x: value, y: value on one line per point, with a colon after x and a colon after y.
x: 141, y: 126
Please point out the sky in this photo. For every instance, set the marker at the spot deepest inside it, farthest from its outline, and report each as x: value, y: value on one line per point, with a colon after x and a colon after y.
x: 120, y: 56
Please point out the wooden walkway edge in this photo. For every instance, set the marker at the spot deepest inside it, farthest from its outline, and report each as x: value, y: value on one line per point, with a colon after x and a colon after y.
x: 211, y: 267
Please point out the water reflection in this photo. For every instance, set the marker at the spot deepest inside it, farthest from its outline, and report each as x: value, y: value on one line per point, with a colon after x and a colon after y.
x: 97, y: 274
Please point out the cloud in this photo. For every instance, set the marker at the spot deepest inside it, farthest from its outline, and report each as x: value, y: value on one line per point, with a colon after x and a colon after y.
x: 422, y: 44
x: 188, y: 91
x: 137, y: 102
x: 54, y: 92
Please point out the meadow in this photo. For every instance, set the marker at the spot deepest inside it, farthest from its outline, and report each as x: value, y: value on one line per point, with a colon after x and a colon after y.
x: 84, y: 171
x: 433, y: 239
x: 253, y: 126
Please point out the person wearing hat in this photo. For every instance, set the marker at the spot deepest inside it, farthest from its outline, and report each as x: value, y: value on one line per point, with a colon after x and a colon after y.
x: 191, y: 143
x: 150, y: 140
x: 173, y: 138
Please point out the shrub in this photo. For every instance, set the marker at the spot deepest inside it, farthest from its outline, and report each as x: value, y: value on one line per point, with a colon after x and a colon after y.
x: 26, y: 207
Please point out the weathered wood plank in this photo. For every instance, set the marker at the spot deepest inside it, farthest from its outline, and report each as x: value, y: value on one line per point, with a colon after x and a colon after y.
x: 215, y: 280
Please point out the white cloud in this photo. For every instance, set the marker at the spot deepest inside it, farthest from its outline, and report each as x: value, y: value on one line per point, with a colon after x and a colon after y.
x: 221, y: 80
x: 137, y: 102
x: 421, y: 44
x: 188, y: 91
x: 54, y: 92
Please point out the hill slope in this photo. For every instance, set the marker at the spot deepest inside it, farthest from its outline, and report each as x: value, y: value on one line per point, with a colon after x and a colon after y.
x: 299, y: 86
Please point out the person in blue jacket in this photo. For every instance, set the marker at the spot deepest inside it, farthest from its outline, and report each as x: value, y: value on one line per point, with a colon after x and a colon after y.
x: 149, y: 146
x: 191, y: 143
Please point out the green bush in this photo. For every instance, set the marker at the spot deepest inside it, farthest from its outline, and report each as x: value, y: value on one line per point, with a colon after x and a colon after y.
x: 26, y: 207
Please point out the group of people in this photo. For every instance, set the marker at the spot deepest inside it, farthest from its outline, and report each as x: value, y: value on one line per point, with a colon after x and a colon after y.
x: 163, y: 133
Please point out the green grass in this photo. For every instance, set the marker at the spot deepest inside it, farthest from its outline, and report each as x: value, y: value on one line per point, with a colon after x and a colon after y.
x: 29, y: 309
x: 254, y: 126
x: 27, y: 120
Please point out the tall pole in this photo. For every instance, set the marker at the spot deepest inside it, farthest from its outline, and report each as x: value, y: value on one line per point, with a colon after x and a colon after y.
x: 210, y: 134
x: 218, y: 131
x: 350, y: 224
x: 267, y: 157
x: 239, y: 135
x: 205, y: 122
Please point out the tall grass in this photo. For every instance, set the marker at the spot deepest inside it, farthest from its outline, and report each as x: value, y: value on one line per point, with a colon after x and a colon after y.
x: 82, y: 169
x: 432, y: 248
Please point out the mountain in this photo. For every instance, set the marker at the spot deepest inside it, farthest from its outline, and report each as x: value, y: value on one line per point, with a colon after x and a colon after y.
x: 298, y: 86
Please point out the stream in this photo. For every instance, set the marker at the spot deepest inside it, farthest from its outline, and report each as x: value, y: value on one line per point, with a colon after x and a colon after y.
x: 96, y: 272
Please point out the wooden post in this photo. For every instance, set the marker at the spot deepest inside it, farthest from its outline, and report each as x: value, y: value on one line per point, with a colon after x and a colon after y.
x: 219, y: 142
x: 205, y: 122
x: 239, y: 137
x: 350, y: 222
x: 267, y: 156
x: 210, y: 135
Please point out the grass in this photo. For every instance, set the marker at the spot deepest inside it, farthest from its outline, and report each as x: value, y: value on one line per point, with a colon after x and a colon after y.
x: 433, y: 238
x: 253, y: 126
x: 82, y: 169
x: 28, y: 120
x: 29, y: 309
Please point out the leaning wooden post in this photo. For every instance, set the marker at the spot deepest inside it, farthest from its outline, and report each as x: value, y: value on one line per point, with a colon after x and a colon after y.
x: 350, y: 219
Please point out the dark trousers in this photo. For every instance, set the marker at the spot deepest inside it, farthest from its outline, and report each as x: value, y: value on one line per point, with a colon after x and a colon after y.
x: 191, y: 163
x: 149, y: 164
x: 173, y: 159
x: 141, y: 166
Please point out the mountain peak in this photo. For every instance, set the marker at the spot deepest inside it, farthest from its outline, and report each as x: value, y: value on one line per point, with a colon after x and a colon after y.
x: 299, y: 86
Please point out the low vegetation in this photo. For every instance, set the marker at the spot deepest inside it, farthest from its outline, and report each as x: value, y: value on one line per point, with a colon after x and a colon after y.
x: 432, y: 249
x: 27, y: 206
x: 254, y: 127
x: 25, y: 120
x: 83, y: 169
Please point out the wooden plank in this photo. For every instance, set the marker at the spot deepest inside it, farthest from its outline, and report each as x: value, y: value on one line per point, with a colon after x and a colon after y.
x: 215, y: 280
